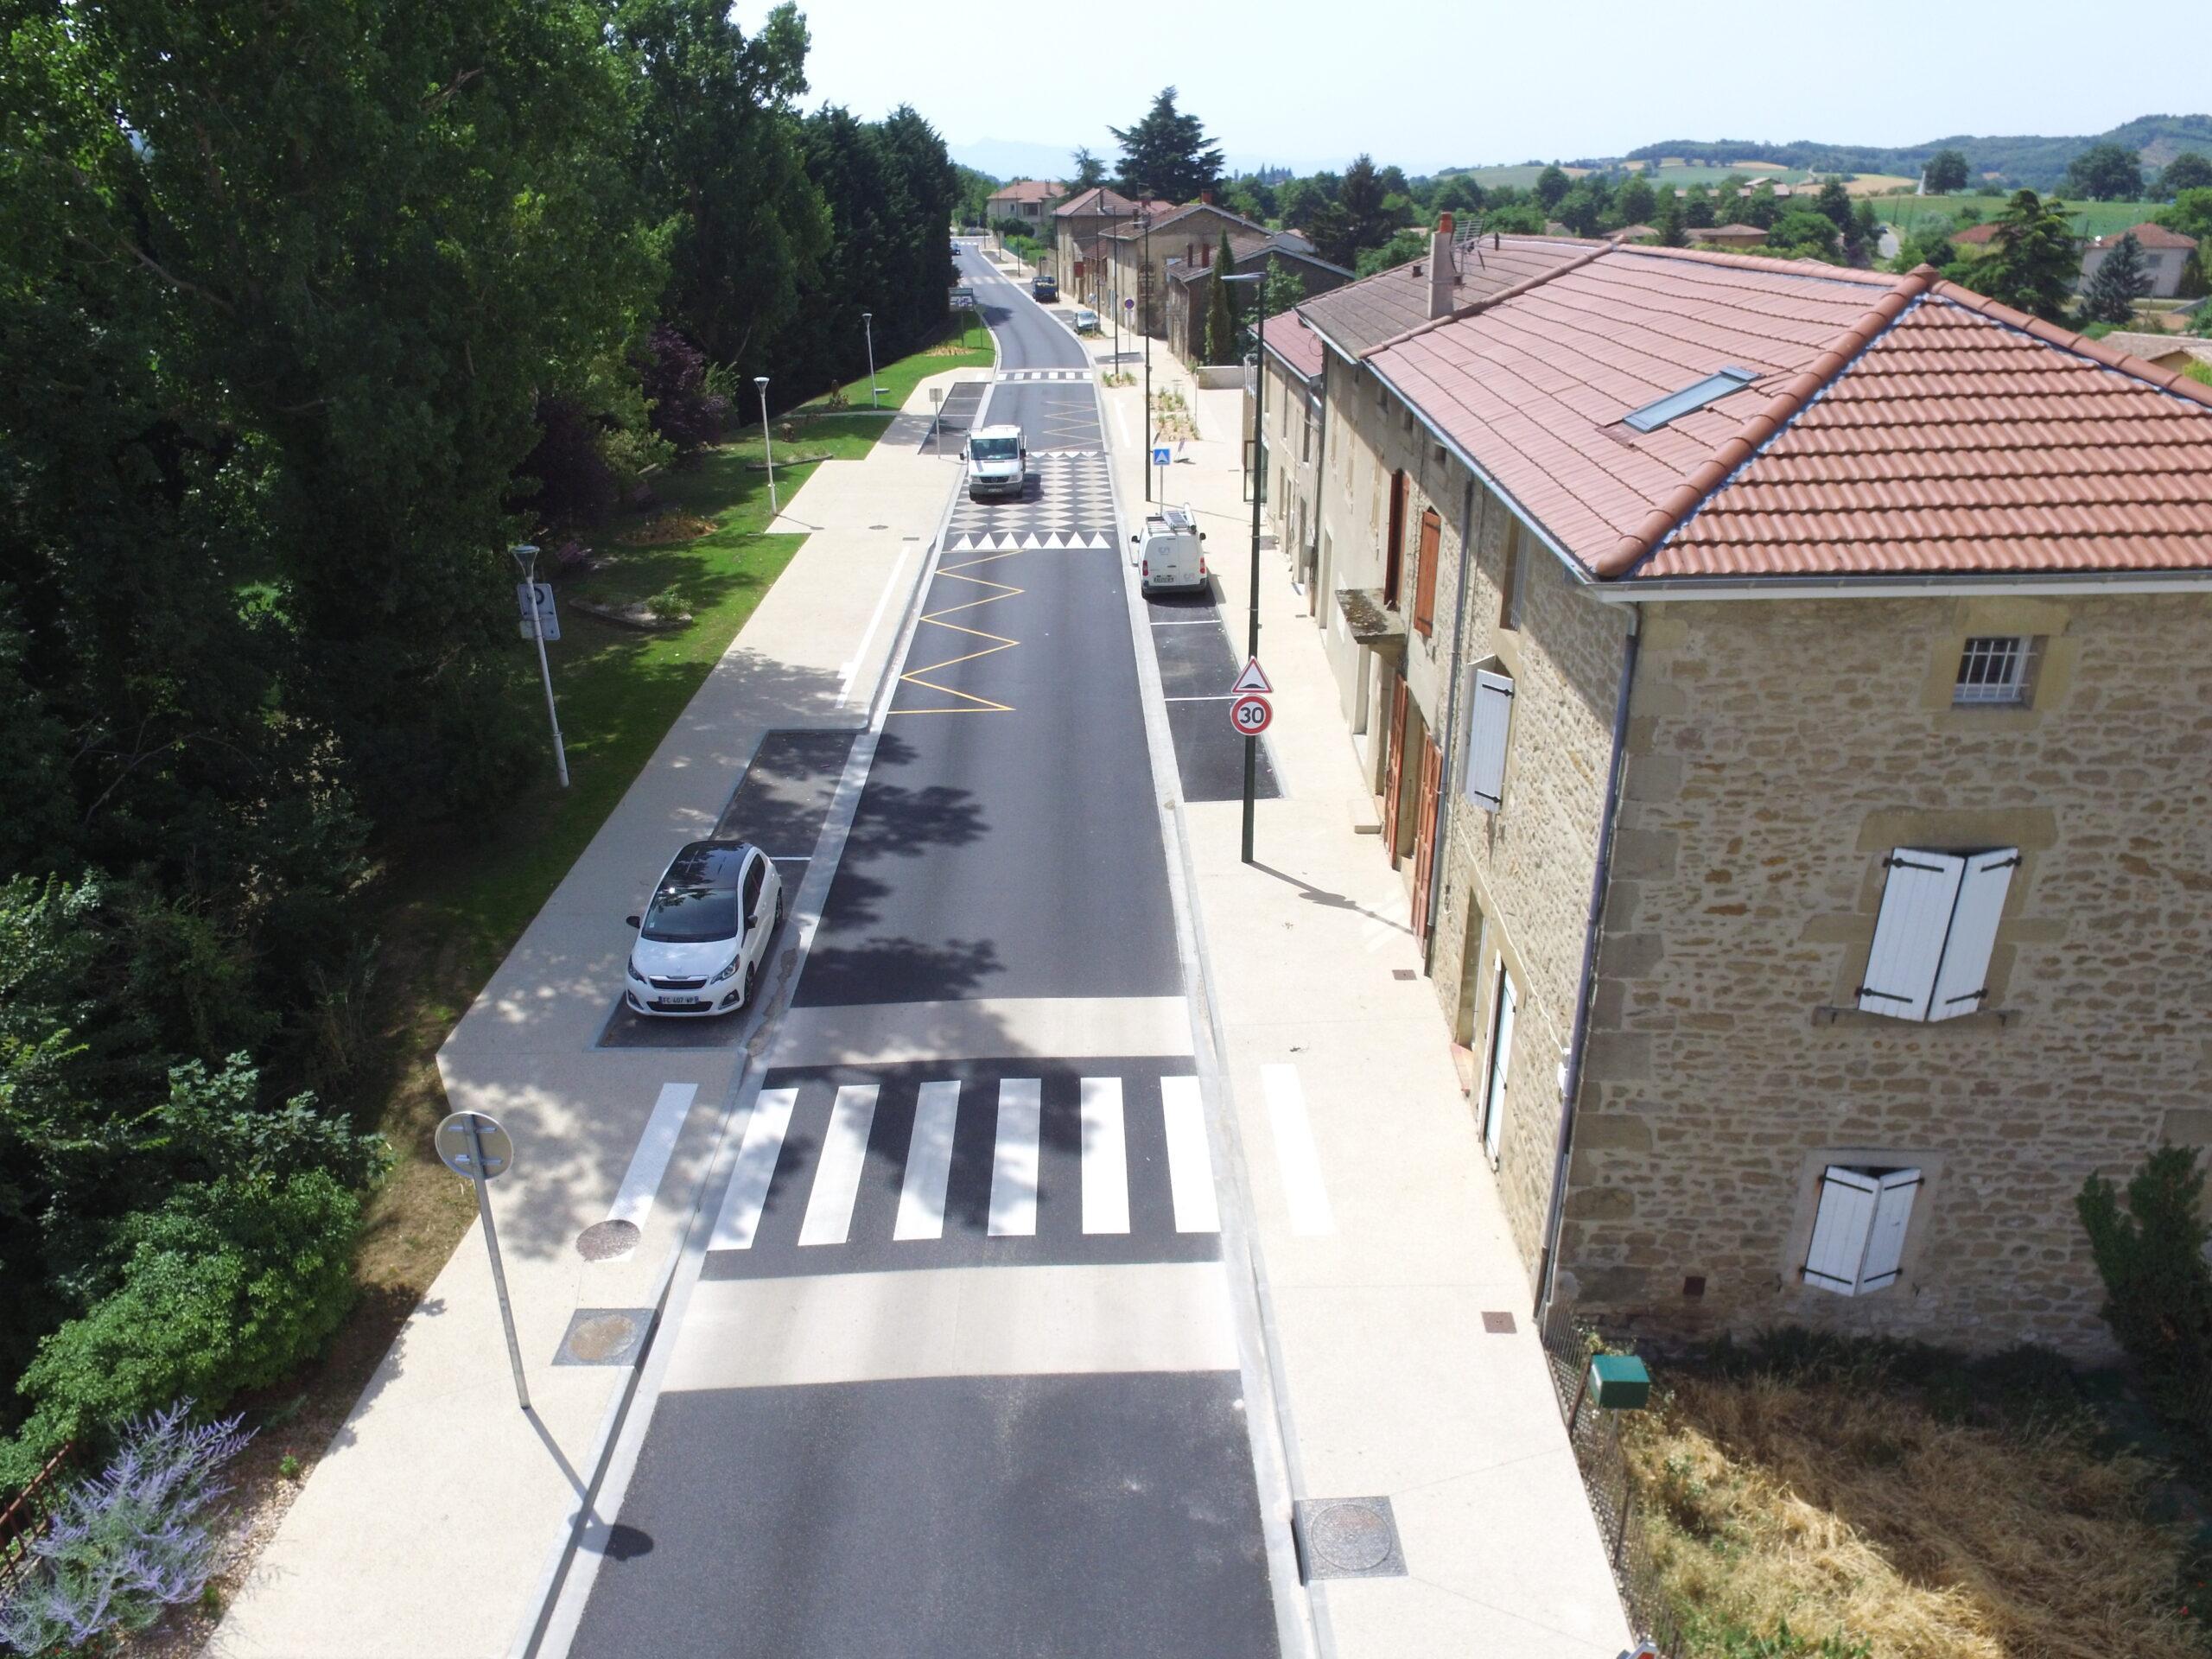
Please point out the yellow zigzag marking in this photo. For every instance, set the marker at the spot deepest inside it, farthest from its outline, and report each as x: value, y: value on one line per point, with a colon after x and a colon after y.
x: 999, y: 642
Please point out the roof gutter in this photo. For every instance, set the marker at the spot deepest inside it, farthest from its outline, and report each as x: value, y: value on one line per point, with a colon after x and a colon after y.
x: 1949, y: 585
x: 1577, y: 1044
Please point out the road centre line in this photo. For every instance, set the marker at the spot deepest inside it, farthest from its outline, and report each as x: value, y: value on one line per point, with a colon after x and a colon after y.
x: 633, y: 1199
x: 1306, y: 1199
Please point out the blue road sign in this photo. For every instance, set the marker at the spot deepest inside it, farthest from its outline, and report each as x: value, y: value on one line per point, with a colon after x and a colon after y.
x: 1161, y: 457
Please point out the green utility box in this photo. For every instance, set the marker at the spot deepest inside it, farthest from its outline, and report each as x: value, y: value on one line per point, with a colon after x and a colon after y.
x: 1619, y: 1382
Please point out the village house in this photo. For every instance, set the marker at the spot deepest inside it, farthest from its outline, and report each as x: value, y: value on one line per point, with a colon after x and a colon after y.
x: 1189, y: 287
x: 1077, y: 224
x: 1790, y: 691
x: 2164, y: 253
x: 1030, y: 200
x: 1137, y: 252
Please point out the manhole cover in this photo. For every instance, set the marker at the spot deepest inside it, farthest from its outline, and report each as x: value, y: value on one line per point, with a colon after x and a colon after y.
x: 1497, y: 1325
x: 1347, y: 1538
x: 604, y: 1336
x: 605, y: 1240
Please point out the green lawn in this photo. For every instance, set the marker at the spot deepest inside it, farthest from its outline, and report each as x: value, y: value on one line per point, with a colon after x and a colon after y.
x: 966, y: 344
x: 2088, y: 218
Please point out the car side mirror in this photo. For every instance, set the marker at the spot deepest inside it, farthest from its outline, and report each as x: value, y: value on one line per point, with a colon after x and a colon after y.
x: 632, y: 920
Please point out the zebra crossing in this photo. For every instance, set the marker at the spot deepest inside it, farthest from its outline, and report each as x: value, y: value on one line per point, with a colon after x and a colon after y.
x: 851, y: 1169
x: 1010, y: 376
x: 1074, y: 502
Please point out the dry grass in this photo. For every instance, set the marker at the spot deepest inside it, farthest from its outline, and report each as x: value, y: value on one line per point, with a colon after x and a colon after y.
x: 1856, y: 1510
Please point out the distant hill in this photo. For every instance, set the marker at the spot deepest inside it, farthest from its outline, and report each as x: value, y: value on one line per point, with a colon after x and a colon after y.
x: 2036, y: 162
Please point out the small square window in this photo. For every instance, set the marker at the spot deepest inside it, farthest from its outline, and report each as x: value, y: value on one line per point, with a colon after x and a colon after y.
x: 1994, y: 671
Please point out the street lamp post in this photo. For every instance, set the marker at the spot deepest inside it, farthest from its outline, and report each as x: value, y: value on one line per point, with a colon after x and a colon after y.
x: 526, y: 558
x: 1144, y: 305
x: 1259, y: 281
x: 768, y: 448
x: 867, y: 324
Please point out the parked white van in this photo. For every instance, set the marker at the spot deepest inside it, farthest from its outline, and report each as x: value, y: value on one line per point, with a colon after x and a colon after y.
x: 1171, y: 556
x: 998, y: 461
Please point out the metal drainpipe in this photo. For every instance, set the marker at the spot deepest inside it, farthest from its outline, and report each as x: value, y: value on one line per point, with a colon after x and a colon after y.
x: 1467, y: 538
x: 1577, y: 1043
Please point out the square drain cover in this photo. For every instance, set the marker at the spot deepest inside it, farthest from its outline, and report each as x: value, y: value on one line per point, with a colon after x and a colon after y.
x: 1497, y: 1325
x: 604, y: 1336
x: 1346, y: 1538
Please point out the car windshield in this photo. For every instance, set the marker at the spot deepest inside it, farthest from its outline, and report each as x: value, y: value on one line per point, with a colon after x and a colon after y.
x: 994, y: 448
x: 691, y: 916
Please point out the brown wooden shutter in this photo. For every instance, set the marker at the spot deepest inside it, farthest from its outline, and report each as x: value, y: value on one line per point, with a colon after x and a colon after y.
x: 1394, y: 767
x: 1393, y: 555
x: 1425, y: 574
x: 1432, y: 778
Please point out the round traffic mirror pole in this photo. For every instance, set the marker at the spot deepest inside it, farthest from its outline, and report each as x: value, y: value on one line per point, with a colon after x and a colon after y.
x: 492, y: 1243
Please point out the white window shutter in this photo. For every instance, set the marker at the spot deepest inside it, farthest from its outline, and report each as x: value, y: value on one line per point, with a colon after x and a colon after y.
x: 1961, y: 984
x: 1840, y: 1229
x: 1917, y: 898
x: 1885, y: 1236
x: 1490, y: 716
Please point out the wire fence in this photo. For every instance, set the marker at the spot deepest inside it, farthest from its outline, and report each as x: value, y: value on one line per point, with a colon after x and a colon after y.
x: 23, y: 1518
x: 1598, y: 1454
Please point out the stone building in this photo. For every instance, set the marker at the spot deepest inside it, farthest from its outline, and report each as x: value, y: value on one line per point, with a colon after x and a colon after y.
x: 1137, y: 254
x: 1189, y: 287
x: 1792, y: 714
x: 1078, y: 223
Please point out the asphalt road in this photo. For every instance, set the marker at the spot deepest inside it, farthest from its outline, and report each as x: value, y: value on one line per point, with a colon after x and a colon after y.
x: 957, y: 1373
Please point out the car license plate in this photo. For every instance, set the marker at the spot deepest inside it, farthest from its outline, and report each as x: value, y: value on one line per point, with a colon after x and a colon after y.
x: 684, y: 1002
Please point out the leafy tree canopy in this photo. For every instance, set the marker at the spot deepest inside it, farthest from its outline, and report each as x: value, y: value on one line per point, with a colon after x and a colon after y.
x: 2033, y: 263
x: 1946, y: 172
x: 2106, y: 172
x: 1166, y: 154
x: 1088, y: 172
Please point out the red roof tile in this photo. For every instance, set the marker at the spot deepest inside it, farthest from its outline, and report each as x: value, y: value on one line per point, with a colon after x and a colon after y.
x: 1360, y: 317
x: 2151, y: 236
x: 1298, y: 346
x: 1893, y: 424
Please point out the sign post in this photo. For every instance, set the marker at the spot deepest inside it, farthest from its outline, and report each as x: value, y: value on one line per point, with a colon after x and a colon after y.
x: 472, y: 1144
x: 937, y: 404
x: 1161, y: 456
x: 536, y: 600
x: 1252, y: 714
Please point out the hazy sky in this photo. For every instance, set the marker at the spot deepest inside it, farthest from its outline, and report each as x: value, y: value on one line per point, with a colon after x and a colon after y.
x: 1430, y: 83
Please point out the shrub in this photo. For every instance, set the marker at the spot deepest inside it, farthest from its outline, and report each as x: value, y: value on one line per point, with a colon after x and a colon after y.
x: 227, y: 1285
x: 686, y: 410
x: 129, y: 1542
x: 2157, y: 1284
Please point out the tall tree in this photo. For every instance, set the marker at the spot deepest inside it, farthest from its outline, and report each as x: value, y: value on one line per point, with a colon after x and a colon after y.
x: 1221, y: 309
x: 1359, y: 218
x: 1551, y: 184
x: 2120, y: 280
x: 1088, y: 172
x: 2033, y: 263
x: 715, y: 148
x: 1167, y: 155
x: 2189, y: 171
x: 2106, y: 172
x: 1668, y: 219
x: 1635, y: 202
x: 1835, y: 202
x: 1946, y: 172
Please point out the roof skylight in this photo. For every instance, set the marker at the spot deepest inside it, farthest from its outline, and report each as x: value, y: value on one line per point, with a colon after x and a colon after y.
x: 1696, y: 395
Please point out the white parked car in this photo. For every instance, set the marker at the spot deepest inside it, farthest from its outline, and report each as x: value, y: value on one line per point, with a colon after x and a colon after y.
x: 703, y: 938
x: 1084, y: 321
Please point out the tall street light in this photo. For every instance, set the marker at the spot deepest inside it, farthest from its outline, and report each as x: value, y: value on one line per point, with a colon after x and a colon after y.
x: 1259, y: 281
x: 1144, y: 304
x: 867, y: 323
x: 767, y: 448
x: 526, y: 558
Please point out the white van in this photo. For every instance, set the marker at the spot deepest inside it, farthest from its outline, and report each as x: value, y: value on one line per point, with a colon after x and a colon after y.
x: 1171, y: 556
x: 998, y: 461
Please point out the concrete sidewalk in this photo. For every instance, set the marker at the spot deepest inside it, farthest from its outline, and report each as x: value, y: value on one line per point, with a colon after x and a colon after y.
x: 1381, y: 1239
x: 430, y: 1524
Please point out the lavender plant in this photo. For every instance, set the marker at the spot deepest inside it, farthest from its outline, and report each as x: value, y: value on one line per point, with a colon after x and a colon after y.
x: 128, y: 1542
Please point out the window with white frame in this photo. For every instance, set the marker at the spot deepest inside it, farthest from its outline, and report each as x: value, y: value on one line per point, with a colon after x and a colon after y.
x: 1858, y: 1229
x: 1994, y: 671
x: 1489, y: 721
x: 1935, y: 932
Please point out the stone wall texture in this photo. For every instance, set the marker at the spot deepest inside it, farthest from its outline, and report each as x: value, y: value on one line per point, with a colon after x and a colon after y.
x: 1778, y: 750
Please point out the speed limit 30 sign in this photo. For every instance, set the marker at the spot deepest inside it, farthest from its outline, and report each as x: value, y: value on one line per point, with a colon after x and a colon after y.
x: 1250, y: 714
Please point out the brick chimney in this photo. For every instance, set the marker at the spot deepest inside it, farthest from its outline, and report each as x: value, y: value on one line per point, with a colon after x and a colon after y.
x: 1441, y: 276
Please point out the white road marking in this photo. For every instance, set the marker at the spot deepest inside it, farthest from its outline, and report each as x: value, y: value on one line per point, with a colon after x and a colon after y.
x: 929, y: 1163
x: 1190, y: 1165
x: 1014, y: 1168
x: 633, y: 1200
x: 1303, y: 1192
x: 839, y: 1166
x: 860, y: 652
x: 1105, y: 1158
x: 755, y: 1167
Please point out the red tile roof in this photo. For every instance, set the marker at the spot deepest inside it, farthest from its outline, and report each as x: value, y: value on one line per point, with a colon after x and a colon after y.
x: 1299, y: 346
x: 1976, y: 236
x: 2151, y: 236
x: 1362, y: 317
x: 1027, y: 190
x: 1100, y: 200
x: 1894, y: 425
